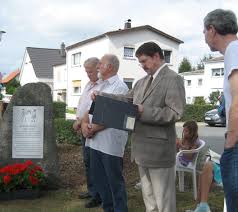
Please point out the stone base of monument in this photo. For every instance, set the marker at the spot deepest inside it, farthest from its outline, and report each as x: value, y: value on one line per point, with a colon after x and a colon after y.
x: 25, y: 194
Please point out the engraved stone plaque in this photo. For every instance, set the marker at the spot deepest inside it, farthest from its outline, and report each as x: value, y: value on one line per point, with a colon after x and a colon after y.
x: 28, y: 131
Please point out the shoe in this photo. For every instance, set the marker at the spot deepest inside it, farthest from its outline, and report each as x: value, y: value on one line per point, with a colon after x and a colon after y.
x: 84, y: 195
x: 203, y: 207
x: 93, y: 203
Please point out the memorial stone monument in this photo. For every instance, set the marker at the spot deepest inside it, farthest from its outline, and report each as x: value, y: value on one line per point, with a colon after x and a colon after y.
x: 27, y: 130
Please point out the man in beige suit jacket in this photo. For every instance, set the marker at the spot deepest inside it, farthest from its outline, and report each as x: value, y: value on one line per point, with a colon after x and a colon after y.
x: 153, y: 142
x: 161, y: 102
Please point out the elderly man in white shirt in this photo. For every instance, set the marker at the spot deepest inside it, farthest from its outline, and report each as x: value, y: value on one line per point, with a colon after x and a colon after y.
x: 107, y: 145
x: 85, y: 101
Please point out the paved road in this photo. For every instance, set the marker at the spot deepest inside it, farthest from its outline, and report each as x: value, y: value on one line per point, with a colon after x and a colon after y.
x: 214, y: 136
x: 70, y: 116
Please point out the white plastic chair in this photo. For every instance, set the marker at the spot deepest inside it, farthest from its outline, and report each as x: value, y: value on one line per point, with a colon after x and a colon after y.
x: 190, y: 168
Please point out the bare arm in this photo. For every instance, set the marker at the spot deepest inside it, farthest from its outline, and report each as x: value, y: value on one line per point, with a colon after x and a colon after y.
x: 85, y: 126
x: 88, y: 129
x: 96, y: 128
x: 77, y: 124
x: 232, y: 133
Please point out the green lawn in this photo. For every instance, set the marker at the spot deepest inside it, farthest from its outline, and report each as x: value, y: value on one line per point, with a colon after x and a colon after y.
x: 66, y: 201
x: 71, y: 111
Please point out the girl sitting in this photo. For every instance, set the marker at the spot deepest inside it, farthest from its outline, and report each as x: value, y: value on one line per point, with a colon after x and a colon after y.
x: 190, y: 140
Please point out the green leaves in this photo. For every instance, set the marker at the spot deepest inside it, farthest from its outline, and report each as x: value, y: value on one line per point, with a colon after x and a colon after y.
x: 185, y: 66
x: 64, y: 131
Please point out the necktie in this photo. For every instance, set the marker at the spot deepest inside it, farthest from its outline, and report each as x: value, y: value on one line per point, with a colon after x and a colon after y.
x: 148, y: 84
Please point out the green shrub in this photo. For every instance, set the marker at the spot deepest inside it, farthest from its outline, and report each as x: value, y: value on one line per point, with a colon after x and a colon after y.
x: 196, y: 112
x: 59, y: 109
x: 199, y: 100
x: 12, y: 86
x: 213, y: 98
x: 64, y: 132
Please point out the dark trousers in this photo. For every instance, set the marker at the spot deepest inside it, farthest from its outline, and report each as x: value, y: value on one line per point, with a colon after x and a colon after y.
x: 109, y: 181
x: 229, y: 172
x: 86, y: 159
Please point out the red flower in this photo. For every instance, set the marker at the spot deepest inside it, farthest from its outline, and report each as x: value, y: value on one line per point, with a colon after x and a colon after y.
x: 33, y: 180
x: 21, y: 175
x: 38, y: 168
x: 6, y: 179
x: 15, y: 171
x: 28, y: 162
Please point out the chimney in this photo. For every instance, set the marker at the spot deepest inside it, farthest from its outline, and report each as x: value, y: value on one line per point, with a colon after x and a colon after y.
x: 128, y: 24
x: 62, y: 50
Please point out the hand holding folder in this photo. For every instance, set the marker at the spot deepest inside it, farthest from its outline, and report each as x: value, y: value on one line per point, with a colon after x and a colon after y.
x: 113, y: 113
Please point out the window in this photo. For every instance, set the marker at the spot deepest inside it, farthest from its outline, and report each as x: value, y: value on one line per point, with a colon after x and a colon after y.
x: 222, y: 71
x: 189, y: 100
x: 189, y: 82
x: 167, y: 56
x: 76, y: 59
x: 76, y: 84
x: 129, y: 52
x: 128, y: 82
x: 217, y: 72
x: 76, y: 90
x: 199, y: 82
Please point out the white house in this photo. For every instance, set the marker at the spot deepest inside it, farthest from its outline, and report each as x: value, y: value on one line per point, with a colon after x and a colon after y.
x: 123, y: 43
x: 201, y: 83
x: 194, y: 85
x: 37, y: 64
x: 59, y: 82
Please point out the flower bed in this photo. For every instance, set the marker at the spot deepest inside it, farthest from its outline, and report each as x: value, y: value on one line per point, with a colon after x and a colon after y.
x: 21, y: 179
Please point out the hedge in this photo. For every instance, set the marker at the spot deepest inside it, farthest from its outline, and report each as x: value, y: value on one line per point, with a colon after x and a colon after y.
x: 64, y: 132
x: 59, y: 110
x: 196, y: 112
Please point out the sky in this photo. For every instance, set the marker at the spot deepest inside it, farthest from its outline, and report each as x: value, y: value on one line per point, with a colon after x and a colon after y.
x: 48, y: 23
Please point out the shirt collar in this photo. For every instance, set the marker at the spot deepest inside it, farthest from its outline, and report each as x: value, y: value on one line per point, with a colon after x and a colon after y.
x: 112, y: 79
x: 158, y: 70
x: 95, y: 83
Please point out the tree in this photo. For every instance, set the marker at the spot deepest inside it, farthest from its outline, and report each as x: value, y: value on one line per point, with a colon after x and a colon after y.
x: 200, y: 65
x: 185, y: 66
x: 213, y: 97
x: 12, y: 86
x: 199, y: 100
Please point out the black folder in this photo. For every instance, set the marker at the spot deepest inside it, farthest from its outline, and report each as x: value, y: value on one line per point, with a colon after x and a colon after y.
x: 113, y: 113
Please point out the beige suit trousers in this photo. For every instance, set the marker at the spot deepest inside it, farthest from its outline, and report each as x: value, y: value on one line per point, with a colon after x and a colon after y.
x: 158, y: 189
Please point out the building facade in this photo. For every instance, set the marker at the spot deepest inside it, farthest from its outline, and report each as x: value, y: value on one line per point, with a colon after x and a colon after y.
x: 201, y: 83
x: 37, y: 64
x: 122, y: 43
